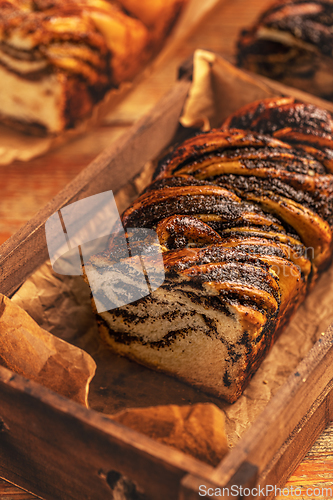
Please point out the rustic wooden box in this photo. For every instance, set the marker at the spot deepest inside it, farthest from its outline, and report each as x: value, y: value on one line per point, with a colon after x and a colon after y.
x: 60, y: 450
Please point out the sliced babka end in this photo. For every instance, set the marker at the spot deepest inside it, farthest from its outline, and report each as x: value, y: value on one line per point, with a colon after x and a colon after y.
x: 43, y: 106
x: 192, y: 356
x: 205, y: 340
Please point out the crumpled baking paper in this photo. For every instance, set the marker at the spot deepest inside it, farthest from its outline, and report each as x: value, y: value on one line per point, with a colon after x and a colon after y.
x: 219, y: 89
x: 196, y: 430
x: 28, y: 350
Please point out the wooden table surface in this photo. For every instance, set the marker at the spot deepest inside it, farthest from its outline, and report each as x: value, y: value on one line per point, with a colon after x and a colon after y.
x: 27, y: 187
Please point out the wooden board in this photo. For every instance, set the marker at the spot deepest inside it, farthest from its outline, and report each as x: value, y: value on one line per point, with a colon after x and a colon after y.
x: 59, y: 449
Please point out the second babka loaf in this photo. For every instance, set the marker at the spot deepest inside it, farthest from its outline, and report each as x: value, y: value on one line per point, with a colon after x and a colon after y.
x: 292, y: 41
x: 244, y: 219
x: 59, y: 58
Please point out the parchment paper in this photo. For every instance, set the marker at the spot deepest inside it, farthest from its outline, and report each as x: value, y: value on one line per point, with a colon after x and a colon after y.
x: 219, y: 89
x: 28, y: 350
x: 18, y: 146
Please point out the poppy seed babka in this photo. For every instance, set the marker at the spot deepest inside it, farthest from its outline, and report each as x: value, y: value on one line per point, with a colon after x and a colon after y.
x: 244, y: 220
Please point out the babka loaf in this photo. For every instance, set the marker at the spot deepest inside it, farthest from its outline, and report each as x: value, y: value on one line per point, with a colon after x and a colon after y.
x: 244, y: 220
x: 58, y: 58
x: 292, y: 42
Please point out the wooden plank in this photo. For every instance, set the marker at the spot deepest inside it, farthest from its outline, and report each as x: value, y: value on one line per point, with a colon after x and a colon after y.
x: 24, y: 252
x: 245, y: 477
x: 316, y: 470
x: 10, y: 492
x: 296, y: 447
x: 58, y: 449
x: 286, y: 429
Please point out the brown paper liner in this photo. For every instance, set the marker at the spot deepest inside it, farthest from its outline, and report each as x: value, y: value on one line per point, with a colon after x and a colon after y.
x: 219, y: 89
x: 197, y: 430
x: 28, y: 350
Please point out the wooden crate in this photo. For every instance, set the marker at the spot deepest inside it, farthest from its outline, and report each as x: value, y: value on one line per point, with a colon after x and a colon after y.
x: 58, y: 449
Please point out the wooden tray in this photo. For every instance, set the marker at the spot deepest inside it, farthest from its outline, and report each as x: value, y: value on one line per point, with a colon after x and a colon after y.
x: 57, y: 449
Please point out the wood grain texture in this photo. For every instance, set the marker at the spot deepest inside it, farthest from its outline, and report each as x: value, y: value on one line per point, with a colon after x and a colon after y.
x: 10, y: 492
x: 26, y: 188
x: 316, y: 470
